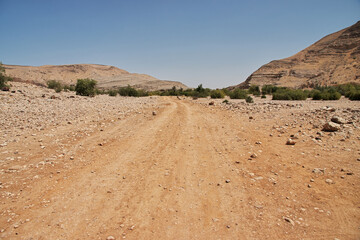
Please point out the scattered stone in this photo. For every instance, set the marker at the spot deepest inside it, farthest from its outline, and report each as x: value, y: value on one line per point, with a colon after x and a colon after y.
x: 211, y: 103
x: 290, y: 142
x: 329, y: 181
x: 337, y: 119
x: 154, y: 113
x: 289, y: 220
x: 71, y: 158
x: 331, y: 127
x: 15, y: 168
x: 253, y: 155
x: 319, y: 170
x: 110, y: 238
x: 227, y: 180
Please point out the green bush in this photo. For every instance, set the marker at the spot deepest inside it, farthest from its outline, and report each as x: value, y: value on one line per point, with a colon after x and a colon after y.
x: 112, y: 93
x: 3, y: 79
x: 217, y: 94
x: 249, y: 99
x: 69, y: 87
x: 263, y: 96
x: 355, y: 96
x: 255, y: 90
x: 289, y: 94
x: 85, y: 87
x: 238, y: 94
x: 325, y: 95
x: 268, y: 89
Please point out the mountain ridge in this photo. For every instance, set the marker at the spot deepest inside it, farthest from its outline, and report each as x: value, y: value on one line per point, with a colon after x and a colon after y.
x: 332, y: 60
x: 107, y: 76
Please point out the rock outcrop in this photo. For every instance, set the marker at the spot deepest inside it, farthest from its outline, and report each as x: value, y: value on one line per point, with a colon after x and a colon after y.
x: 335, y: 59
x: 106, y: 76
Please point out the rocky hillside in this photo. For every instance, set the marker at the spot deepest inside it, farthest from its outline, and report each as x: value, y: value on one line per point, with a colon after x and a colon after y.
x: 335, y: 59
x: 106, y: 76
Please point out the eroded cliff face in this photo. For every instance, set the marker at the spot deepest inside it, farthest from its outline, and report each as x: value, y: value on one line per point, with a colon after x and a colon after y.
x: 106, y: 76
x: 335, y: 59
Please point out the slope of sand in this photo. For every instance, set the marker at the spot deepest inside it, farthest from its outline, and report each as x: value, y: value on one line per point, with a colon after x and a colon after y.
x: 106, y: 76
x: 169, y: 168
x: 335, y: 59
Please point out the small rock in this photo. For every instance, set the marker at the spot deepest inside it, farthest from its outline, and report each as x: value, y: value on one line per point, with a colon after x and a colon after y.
x: 71, y: 158
x: 154, y: 113
x: 110, y: 238
x: 227, y: 180
x: 15, y: 168
x: 289, y: 221
x: 331, y: 127
x: 318, y: 170
x: 329, y: 181
x: 337, y: 119
x: 253, y: 155
x: 211, y: 103
x: 290, y: 142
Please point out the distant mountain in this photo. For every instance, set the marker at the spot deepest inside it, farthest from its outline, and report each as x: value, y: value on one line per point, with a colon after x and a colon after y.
x: 335, y: 59
x: 106, y: 76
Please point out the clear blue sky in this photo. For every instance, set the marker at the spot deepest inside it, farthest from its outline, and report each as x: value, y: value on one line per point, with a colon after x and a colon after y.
x: 215, y: 42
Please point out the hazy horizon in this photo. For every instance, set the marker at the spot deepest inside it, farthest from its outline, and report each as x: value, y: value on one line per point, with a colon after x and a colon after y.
x: 216, y: 43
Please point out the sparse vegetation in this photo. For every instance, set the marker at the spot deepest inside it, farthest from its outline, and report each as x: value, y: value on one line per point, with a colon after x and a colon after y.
x: 289, y: 94
x: 255, y: 90
x: 238, y: 94
x: 217, y: 94
x: 56, y: 85
x: 85, y: 87
x: 3, y: 79
x: 249, y: 99
x: 112, y: 93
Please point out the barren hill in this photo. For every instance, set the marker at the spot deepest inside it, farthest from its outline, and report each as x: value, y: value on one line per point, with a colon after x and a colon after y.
x: 106, y: 76
x: 335, y: 59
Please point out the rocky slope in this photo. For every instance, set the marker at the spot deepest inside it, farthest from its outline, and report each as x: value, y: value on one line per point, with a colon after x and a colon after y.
x: 332, y: 60
x: 106, y: 76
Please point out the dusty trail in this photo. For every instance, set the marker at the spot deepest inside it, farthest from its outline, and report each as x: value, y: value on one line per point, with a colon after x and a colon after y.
x: 182, y: 174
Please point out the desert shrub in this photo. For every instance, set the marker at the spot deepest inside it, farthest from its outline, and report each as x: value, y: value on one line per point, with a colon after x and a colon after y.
x: 268, y: 89
x: 329, y: 94
x: 112, y: 93
x: 226, y: 101
x: 56, y: 85
x: 201, y: 92
x: 355, y: 96
x: 289, y: 94
x: 255, y: 90
x: 69, y: 87
x: 128, y: 91
x: 217, y: 94
x: 263, y: 96
x: 85, y: 87
x: 249, y: 99
x: 3, y: 79
x: 238, y: 94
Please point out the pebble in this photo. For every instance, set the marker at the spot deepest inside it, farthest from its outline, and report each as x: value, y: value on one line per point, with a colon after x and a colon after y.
x: 290, y: 142
x: 110, y: 238
x: 227, y: 180
x: 329, y: 181
x: 289, y: 221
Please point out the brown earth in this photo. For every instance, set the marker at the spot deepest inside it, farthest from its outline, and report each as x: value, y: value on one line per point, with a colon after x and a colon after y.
x: 106, y: 76
x: 335, y: 59
x: 169, y: 168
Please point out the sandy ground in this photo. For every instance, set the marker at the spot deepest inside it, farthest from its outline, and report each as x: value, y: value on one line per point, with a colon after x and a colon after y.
x: 190, y: 171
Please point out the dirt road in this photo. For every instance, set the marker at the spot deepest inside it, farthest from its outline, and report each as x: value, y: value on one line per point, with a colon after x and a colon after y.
x: 184, y: 173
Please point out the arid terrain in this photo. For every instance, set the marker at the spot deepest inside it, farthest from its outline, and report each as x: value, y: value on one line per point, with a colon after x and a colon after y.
x: 334, y: 59
x: 176, y: 168
x: 107, y: 77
